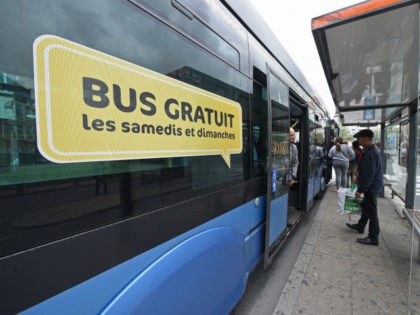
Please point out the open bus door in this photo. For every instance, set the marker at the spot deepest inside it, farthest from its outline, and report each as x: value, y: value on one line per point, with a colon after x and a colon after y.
x: 278, y: 165
x: 298, y: 192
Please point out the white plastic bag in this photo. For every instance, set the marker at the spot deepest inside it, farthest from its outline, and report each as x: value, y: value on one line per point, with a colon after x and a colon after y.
x: 347, y: 202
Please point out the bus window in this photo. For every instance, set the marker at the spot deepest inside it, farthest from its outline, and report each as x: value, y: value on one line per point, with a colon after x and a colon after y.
x: 44, y: 201
x: 259, y: 124
x: 188, y: 22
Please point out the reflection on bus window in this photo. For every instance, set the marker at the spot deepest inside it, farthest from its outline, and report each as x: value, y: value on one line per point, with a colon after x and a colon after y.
x: 82, y: 196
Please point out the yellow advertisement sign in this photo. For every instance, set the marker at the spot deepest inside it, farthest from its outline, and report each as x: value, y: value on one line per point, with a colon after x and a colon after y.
x: 91, y: 106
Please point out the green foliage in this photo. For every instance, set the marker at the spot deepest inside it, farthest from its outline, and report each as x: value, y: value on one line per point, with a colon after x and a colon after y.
x: 346, y: 133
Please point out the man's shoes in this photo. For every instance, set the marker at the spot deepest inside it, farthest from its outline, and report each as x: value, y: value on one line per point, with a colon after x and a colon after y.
x: 355, y: 227
x: 368, y: 241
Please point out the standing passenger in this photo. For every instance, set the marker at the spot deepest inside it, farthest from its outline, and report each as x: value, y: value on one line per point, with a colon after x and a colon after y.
x: 329, y: 160
x: 355, y: 162
x: 294, y: 162
x: 341, y: 155
x: 370, y: 183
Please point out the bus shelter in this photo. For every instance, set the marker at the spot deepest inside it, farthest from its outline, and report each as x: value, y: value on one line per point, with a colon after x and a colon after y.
x: 370, y: 56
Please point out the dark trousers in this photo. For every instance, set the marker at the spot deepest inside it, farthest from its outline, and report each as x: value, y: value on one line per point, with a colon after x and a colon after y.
x: 328, y: 171
x: 370, y: 213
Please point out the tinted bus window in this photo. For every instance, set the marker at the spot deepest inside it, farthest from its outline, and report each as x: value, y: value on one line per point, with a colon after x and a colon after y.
x: 186, y: 20
x: 259, y: 125
x: 43, y: 201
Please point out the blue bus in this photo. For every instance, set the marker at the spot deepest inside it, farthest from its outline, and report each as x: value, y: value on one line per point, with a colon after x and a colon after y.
x: 144, y: 147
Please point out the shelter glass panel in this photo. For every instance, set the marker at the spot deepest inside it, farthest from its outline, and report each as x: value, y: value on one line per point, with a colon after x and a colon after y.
x: 395, y: 151
x: 414, y: 287
x: 374, y: 60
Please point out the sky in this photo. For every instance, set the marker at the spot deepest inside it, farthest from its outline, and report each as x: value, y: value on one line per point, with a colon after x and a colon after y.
x: 290, y: 21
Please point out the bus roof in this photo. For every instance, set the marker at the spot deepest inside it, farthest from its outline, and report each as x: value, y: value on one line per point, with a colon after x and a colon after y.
x: 262, y: 32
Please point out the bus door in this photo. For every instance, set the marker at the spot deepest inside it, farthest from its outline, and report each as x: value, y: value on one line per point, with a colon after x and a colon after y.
x: 297, y: 192
x: 277, y: 165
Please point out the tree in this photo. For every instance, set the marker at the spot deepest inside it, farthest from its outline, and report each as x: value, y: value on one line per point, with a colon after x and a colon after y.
x: 346, y: 133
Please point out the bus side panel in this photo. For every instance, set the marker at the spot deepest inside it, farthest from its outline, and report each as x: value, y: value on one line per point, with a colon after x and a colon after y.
x: 278, y: 217
x: 189, y: 279
x: 210, y: 251
x: 257, y: 235
x: 320, y: 181
x: 317, y: 185
x: 256, y: 246
x: 311, y: 187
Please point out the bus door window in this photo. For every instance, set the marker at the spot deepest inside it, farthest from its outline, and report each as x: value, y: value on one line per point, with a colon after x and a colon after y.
x: 259, y: 124
x: 278, y: 165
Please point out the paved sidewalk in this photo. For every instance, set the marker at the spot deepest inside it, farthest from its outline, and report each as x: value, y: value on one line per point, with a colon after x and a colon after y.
x: 336, y: 275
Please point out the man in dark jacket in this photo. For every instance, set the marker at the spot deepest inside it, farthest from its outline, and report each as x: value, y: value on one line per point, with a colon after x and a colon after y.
x: 369, y: 183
